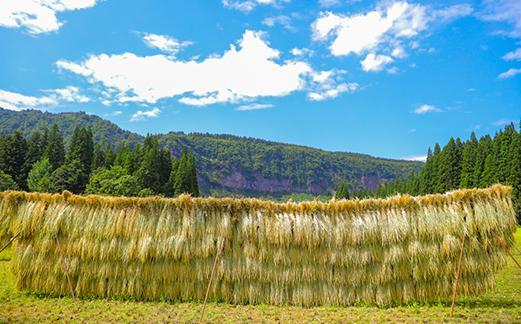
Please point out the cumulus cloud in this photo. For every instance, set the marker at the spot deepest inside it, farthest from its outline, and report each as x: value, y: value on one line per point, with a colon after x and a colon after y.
x: 510, y: 73
x: 328, y: 85
x: 243, y: 73
x: 144, y: 114
x: 17, y: 101
x: 375, y: 63
x: 38, y: 16
x: 425, y: 109
x: 164, y: 43
x: 384, y: 29
x: 68, y: 94
x: 249, y: 5
x: 254, y: 106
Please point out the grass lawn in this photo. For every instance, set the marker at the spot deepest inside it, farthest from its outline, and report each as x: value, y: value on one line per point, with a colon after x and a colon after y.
x: 501, y: 305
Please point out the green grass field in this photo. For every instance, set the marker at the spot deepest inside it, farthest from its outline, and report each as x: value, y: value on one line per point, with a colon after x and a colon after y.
x: 501, y: 305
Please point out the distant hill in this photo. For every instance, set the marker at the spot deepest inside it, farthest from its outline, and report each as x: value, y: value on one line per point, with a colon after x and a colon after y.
x: 235, y: 165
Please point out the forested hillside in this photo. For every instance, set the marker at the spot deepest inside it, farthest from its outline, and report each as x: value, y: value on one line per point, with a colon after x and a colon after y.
x: 234, y: 165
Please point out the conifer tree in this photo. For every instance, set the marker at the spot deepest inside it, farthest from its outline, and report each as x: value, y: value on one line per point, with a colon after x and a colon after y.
x: 13, y: 151
x: 39, y: 178
x: 182, y: 180
x: 35, y: 150
x: 192, y: 167
x: 468, y: 161
x: 55, y: 150
x: 488, y: 175
x: 81, y: 149
x: 342, y: 192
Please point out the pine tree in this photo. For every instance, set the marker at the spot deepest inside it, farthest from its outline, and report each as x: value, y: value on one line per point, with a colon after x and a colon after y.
x: 182, y: 180
x: 468, y: 161
x: 484, y: 148
x: 99, y: 159
x: 192, y: 167
x: 426, y: 175
x: 342, y: 192
x: 35, y: 150
x: 450, y: 166
x: 515, y: 173
x: 488, y: 175
x: 172, y: 178
x: 155, y: 167
x: 55, y: 150
x: 68, y: 177
x: 81, y: 150
x: 435, y: 179
x: 39, y: 178
x: 13, y: 151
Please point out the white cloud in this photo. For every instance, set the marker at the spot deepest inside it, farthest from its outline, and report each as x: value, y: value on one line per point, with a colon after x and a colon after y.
x: 399, y: 52
x: 509, y: 74
x: 328, y: 85
x: 375, y: 63
x: 301, y: 52
x: 164, y: 43
x: 282, y: 20
x: 249, y: 5
x: 243, y: 73
x: 504, y: 11
x: 254, y: 106
x: 68, y: 94
x: 363, y: 32
x: 503, y: 122
x: 453, y: 12
x: 515, y: 55
x: 16, y: 101
x: 424, y: 109
x: 143, y: 114
x: 38, y: 16
x: 117, y: 113
x: 383, y: 29
x: 419, y: 158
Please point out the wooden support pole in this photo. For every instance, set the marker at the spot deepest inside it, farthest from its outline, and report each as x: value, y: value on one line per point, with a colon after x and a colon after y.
x: 455, y: 288
x: 8, y: 243
x: 66, y: 269
x: 516, y: 262
x: 220, y: 245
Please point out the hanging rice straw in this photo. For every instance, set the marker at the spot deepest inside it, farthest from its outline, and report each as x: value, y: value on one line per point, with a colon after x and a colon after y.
x: 377, y: 251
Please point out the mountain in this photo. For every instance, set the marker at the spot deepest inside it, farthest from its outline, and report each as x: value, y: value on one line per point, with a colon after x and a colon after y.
x: 235, y: 165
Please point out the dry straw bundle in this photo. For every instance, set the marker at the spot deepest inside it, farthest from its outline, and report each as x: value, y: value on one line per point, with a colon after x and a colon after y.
x: 378, y: 251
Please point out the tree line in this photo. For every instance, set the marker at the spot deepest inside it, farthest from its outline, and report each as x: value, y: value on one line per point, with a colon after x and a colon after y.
x: 41, y: 163
x: 474, y: 163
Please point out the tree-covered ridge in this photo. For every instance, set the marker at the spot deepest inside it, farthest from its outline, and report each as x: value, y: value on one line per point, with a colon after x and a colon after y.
x: 474, y: 163
x: 43, y: 164
x: 303, y: 169
x: 231, y: 165
x: 28, y: 121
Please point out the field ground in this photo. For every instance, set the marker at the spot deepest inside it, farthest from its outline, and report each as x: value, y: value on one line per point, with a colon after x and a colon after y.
x: 501, y: 305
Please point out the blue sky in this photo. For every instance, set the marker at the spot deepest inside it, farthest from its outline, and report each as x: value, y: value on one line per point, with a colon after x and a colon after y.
x: 387, y: 78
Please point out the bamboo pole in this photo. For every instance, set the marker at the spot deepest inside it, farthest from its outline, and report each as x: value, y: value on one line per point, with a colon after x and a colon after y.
x: 455, y: 288
x: 220, y: 246
x: 8, y: 243
x: 66, y: 269
x: 516, y: 262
